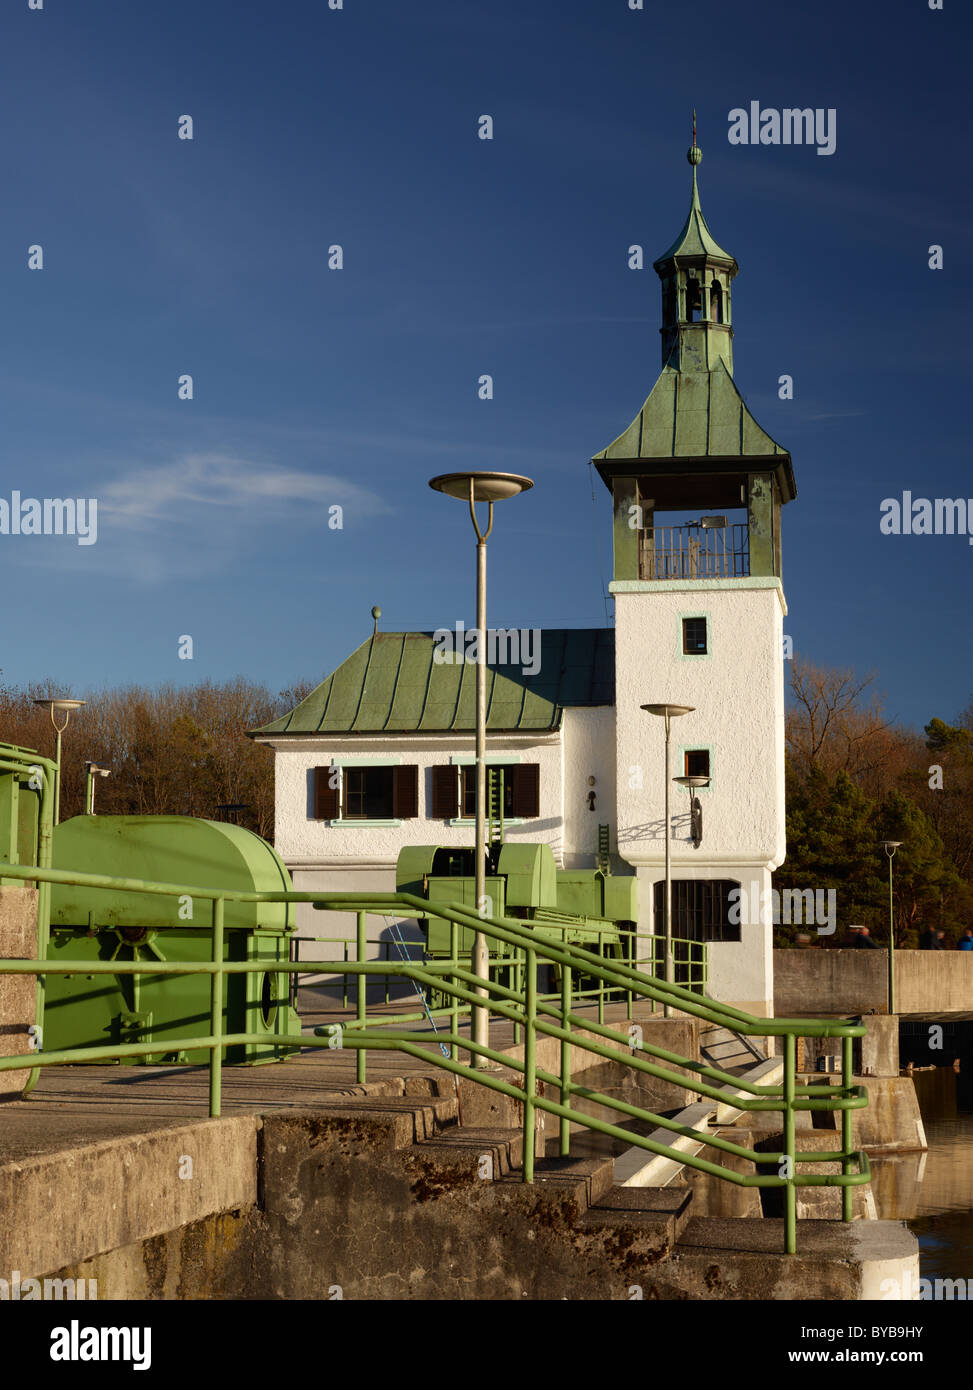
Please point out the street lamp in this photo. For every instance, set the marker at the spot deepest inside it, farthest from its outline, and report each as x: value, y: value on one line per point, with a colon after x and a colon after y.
x: 54, y: 707
x: 890, y: 846
x: 668, y: 713
x: 472, y: 488
x: 92, y: 770
x: 695, y: 809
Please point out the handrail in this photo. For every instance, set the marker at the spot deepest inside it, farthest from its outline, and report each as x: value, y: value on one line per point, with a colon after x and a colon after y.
x: 535, y: 1015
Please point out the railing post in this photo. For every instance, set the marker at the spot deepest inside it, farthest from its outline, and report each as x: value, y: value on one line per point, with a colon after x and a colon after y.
x: 530, y: 1064
x: 216, y: 1012
x: 361, y: 996
x: 790, y: 1191
x: 518, y: 978
x: 846, y: 1081
x: 564, y: 1125
x: 453, y: 997
x: 602, y: 982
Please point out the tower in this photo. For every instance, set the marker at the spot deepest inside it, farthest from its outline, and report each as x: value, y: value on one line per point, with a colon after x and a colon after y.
x: 698, y: 487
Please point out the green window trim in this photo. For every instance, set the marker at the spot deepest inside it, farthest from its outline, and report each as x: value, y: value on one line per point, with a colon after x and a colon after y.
x: 685, y: 748
x: 386, y: 824
x: 707, y: 617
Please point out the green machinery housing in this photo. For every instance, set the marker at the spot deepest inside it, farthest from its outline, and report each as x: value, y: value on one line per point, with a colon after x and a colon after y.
x: 588, y: 907
x: 106, y: 925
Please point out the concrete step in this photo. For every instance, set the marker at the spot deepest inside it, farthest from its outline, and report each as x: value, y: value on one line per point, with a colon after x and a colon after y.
x: 637, y: 1167
x: 670, y: 1208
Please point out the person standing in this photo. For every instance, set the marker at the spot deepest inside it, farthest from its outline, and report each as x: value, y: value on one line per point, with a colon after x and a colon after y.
x: 863, y: 940
x: 965, y: 942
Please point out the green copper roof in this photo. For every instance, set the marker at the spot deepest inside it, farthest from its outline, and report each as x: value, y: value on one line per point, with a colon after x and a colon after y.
x: 694, y: 414
x: 392, y: 684
x: 695, y: 239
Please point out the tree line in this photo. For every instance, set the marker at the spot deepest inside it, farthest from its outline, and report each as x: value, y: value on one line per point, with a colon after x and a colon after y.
x: 854, y: 779
x: 171, y: 750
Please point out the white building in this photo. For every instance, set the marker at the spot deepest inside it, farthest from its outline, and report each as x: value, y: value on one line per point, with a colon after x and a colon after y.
x: 380, y: 755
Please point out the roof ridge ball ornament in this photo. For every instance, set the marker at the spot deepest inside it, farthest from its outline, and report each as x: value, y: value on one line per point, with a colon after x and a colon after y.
x: 376, y: 614
x: 694, y: 154
x: 476, y: 487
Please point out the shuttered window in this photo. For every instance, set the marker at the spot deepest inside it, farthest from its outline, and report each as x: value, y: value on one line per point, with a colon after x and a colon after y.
x: 405, y: 792
x: 367, y: 793
x: 526, y: 779
x: 521, y: 788
x: 326, y: 798
x: 445, y: 792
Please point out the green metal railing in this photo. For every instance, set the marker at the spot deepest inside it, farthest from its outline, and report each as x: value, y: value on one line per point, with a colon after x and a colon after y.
x: 527, y: 1011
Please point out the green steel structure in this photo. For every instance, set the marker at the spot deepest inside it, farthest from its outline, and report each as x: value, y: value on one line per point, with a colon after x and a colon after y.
x: 530, y: 1015
x: 84, y: 1010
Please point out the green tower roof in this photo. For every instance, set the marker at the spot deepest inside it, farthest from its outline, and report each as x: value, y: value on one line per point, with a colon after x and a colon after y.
x: 696, y: 239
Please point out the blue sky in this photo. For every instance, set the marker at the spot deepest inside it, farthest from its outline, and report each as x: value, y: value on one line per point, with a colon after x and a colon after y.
x: 315, y: 387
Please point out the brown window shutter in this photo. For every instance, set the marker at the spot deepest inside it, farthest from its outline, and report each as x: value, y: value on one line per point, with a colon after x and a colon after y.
x: 405, y: 792
x: 527, y: 790
x: 327, y: 799
x: 445, y: 792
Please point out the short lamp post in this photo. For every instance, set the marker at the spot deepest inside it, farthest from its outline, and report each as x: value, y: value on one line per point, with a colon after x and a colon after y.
x: 57, y: 707
x: 472, y: 488
x: 890, y: 846
x: 92, y: 771
x: 668, y: 713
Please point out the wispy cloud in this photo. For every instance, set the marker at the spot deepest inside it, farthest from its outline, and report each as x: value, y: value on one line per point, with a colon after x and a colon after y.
x: 187, y: 488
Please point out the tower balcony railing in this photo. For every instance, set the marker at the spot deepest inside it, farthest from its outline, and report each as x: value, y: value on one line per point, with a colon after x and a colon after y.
x: 694, y: 552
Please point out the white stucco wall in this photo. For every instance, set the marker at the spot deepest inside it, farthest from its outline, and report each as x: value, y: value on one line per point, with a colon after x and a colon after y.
x: 738, y: 693
x: 588, y: 751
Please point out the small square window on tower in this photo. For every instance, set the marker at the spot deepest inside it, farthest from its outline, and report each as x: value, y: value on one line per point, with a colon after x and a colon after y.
x: 697, y: 762
x: 694, y: 636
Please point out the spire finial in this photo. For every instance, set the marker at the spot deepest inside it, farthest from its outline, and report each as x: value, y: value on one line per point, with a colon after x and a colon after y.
x: 694, y: 154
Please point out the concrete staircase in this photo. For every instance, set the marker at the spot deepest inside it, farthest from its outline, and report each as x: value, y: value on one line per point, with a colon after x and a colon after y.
x: 394, y: 1198
x: 719, y: 1047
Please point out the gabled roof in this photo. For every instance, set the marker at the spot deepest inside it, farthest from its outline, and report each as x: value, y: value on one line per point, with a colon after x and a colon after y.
x: 393, y: 684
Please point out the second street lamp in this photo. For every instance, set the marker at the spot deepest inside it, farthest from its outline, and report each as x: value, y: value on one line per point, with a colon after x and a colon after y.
x: 668, y: 713
x: 54, y: 707
x: 890, y: 846
x: 472, y: 488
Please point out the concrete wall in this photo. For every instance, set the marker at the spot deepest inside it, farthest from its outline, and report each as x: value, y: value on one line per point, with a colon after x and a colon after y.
x: 931, y: 983
x: 18, y: 941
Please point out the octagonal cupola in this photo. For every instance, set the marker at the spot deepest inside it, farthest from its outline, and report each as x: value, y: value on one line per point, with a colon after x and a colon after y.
x: 696, y: 299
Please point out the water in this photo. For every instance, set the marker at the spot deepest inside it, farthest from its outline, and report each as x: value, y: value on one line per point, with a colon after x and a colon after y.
x: 933, y: 1192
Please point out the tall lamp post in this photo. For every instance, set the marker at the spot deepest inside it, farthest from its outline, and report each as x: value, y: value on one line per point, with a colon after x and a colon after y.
x: 668, y: 713
x: 55, y: 707
x: 472, y: 488
x: 890, y: 846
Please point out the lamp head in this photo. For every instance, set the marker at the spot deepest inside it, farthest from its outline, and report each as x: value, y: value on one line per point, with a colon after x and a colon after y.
x: 487, y: 487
